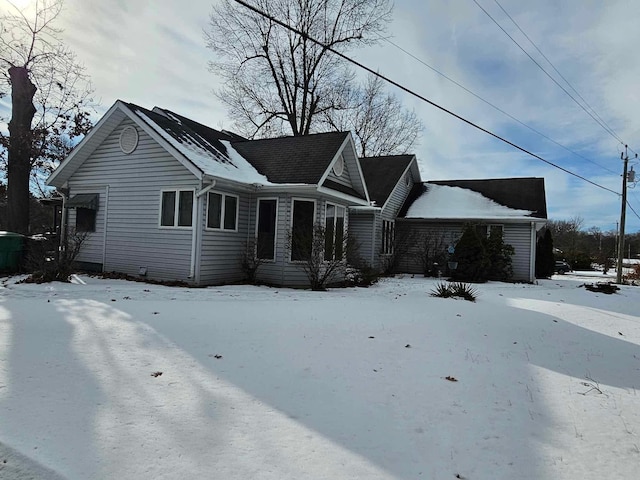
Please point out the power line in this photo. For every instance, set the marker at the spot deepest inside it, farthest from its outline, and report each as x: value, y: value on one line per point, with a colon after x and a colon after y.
x: 607, y: 129
x: 417, y: 95
x: 494, y: 106
x: 552, y: 65
x: 634, y: 212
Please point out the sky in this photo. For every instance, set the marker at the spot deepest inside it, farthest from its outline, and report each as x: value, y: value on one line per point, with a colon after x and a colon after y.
x: 153, y: 53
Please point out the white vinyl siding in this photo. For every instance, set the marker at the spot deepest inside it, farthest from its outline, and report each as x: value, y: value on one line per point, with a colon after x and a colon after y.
x: 222, y: 249
x: 135, y: 182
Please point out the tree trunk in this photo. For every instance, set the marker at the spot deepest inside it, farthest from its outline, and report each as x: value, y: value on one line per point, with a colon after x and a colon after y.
x: 19, y: 158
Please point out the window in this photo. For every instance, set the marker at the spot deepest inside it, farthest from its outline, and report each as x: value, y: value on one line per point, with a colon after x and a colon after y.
x: 334, y: 233
x: 266, y: 235
x: 222, y: 212
x: 86, y: 206
x: 176, y: 208
x: 338, y: 166
x: 85, y: 220
x: 388, y: 236
x: 484, y: 231
x: 302, y: 220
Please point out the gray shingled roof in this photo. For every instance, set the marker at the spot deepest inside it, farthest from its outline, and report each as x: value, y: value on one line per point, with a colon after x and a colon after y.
x: 526, y: 193
x: 382, y: 174
x: 187, y: 131
x: 292, y: 159
x: 298, y: 160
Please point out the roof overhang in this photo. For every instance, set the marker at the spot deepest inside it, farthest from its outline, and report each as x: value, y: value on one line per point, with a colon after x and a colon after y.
x: 542, y: 221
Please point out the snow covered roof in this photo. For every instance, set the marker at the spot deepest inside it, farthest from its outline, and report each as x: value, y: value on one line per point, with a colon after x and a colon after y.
x: 209, y: 150
x: 445, y: 201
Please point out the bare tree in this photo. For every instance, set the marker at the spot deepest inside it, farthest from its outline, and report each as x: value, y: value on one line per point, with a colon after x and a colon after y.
x: 321, y: 254
x: 277, y: 82
x: 50, y: 97
x: 377, y: 119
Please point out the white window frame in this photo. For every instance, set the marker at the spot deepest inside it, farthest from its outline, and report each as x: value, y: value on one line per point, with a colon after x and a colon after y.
x: 344, y: 229
x: 222, y: 212
x: 275, y: 240
x: 315, y: 213
x: 176, y: 208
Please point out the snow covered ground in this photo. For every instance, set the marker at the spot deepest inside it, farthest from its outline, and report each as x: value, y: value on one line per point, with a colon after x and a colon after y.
x: 266, y: 383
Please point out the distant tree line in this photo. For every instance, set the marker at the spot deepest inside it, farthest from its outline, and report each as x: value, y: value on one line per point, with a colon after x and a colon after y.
x: 584, y: 247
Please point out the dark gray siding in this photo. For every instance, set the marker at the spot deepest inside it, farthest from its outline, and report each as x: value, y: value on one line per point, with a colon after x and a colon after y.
x: 134, y: 238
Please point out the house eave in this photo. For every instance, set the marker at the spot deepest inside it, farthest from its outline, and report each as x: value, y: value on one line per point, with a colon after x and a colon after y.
x: 400, y: 179
x: 541, y: 221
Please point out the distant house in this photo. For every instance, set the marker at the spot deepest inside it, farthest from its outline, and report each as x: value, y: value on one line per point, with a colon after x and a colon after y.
x: 515, y: 206
x: 168, y: 198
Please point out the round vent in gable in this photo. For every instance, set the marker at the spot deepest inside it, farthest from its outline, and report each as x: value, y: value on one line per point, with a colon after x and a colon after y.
x: 338, y: 167
x: 128, y: 139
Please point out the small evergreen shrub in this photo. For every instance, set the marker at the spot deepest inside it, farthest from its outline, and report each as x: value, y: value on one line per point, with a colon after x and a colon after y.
x: 471, y: 256
x: 545, y: 260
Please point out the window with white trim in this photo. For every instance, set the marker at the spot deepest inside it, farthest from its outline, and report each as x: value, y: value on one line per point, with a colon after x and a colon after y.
x: 334, y: 232
x: 388, y: 236
x: 222, y: 211
x: 266, y: 228
x: 302, y: 220
x: 176, y: 208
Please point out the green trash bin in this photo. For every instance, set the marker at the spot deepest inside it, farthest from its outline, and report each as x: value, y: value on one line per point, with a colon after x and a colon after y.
x: 11, y: 245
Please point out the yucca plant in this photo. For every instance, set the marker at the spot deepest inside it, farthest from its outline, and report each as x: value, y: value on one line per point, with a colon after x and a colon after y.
x: 457, y: 289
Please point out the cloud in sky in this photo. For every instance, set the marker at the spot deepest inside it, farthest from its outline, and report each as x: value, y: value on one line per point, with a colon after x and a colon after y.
x: 153, y: 53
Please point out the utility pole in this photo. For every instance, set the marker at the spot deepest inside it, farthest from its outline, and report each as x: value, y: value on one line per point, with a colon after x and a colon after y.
x: 623, y: 213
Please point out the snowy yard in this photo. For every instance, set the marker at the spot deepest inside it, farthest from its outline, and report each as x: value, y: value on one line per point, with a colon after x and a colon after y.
x: 265, y: 383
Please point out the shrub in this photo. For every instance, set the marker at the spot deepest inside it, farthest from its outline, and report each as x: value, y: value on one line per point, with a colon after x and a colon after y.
x: 499, y: 256
x: 471, y: 256
x: 250, y: 263
x: 544, y: 256
x: 48, y: 263
x: 320, y: 264
x: 457, y: 290
x: 431, y: 252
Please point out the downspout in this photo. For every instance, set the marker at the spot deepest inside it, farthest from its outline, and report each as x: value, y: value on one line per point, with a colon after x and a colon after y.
x: 62, y: 241
x: 532, y: 254
x: 104, y: 239
x: 373, y: 241
x: 196, y: 220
